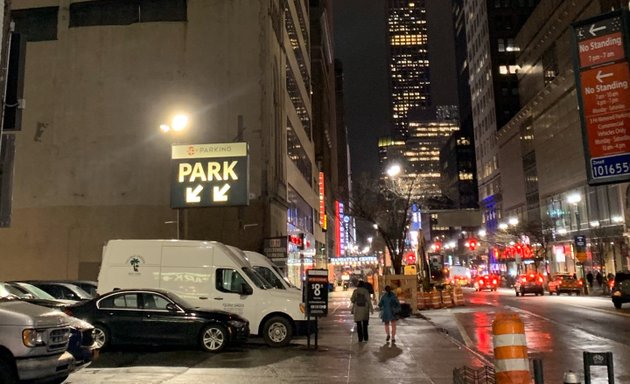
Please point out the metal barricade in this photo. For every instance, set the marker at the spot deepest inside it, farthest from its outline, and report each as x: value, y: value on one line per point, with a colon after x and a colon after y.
x: 467, y: 375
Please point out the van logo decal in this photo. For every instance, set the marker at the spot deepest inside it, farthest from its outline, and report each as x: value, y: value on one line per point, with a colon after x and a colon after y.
x: 135, y: 262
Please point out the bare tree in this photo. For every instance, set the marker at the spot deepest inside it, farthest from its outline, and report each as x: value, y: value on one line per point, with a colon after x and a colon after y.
x: 388, y: 205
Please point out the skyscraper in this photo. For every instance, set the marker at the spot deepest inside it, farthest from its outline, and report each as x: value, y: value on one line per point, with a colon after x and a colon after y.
x: 409, y: 60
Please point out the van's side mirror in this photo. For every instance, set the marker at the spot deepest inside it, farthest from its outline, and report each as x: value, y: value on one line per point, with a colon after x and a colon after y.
x: 246, y: 289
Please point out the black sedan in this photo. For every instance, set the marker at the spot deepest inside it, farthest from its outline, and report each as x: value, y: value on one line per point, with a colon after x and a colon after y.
x: 158, y: 317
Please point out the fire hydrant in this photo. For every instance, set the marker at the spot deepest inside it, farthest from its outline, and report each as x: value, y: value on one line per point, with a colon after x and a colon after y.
x: 570, y: 377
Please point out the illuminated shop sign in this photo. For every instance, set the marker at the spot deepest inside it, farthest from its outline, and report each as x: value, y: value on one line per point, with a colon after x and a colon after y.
x: 322, y: 203
x: 354, y: 260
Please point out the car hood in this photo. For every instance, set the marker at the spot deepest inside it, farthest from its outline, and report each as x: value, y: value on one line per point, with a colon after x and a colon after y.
x: 26, y: 314
x: 216, y: 314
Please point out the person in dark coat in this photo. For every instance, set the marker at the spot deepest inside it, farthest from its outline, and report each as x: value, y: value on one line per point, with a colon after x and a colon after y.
x: 361, y: 309
x: 589, y: 278
x: 389, y: 306
x: 599, y: 278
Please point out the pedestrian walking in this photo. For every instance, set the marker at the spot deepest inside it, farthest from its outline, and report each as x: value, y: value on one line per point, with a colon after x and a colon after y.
x: 361, y: 309
x: 600, y: 278
x: 589, y: 278
x: 390, y: 307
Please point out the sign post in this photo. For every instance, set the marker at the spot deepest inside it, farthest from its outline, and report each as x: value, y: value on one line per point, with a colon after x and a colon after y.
x: 316, y: 298
x: 602, y: 77
x: 598, y: 359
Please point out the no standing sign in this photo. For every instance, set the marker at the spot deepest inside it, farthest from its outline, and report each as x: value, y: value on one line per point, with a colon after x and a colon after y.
x: 603, y: 82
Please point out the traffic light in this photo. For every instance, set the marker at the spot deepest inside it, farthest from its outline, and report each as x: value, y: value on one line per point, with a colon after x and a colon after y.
x: 472, y: 244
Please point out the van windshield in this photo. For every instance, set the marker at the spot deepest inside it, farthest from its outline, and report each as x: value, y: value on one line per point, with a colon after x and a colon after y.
x: 268, y: 275
x: 257, y: 279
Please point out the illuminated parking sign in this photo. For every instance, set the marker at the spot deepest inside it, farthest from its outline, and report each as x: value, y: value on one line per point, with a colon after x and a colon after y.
x: 209, y: 175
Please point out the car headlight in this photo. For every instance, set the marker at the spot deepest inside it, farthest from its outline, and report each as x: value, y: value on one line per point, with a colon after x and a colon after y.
x: 33, y: 338
x: 238, y: 323
x: 302, y: 308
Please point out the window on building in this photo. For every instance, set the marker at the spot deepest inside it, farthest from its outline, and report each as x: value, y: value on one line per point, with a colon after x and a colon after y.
x: 37, y: 24
x: 501, y: 45
x: 300, y: 213
x: 298, y: 155
x: 550, y: 64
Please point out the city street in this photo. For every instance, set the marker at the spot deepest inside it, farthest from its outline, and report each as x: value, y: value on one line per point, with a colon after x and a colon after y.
x: 428, y: 347
x: 558, y: 329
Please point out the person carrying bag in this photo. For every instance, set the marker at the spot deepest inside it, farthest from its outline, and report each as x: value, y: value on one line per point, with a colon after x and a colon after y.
x: 390, y: 310
x: 361, y: 309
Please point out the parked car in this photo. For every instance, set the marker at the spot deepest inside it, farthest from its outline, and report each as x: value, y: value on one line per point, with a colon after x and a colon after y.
x: 32, y: 294
x: 88, y: 286
x: 158, y: 317
x: 489, y: 282
x: 529, y: 283
x: 81, y: 344
x: 565, y: 283
x: 34, y: 343
x: 620, y: 291
x: 60, y: 290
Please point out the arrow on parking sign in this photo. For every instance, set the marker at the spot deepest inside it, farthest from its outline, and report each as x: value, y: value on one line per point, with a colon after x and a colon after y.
x: 219, y: 194
x: 192, y: 196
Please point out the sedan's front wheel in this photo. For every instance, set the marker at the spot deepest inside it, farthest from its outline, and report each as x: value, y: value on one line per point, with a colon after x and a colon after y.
x: 214, y: 338
x: 101, y: 336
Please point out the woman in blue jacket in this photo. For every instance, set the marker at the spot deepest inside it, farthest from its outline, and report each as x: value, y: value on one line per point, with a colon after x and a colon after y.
x: 389, y: 306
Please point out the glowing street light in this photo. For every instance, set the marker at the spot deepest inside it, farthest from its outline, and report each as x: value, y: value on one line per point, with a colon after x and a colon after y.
x: 394, y: 170
x: 513, y: 221
x: 574, y: 198
x: 503, y: 226
x: 179, y: 122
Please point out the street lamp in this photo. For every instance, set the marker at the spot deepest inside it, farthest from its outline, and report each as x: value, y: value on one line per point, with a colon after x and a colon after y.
x: 394, y: 170
x: 178, y: 123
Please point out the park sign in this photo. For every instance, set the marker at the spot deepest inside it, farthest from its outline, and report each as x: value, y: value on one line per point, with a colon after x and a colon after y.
x: 209, y: 175
x: 603, y: 83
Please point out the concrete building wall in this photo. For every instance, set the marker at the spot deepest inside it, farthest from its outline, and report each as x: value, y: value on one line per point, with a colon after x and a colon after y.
x: 511, y: 163
x: 91, y: 163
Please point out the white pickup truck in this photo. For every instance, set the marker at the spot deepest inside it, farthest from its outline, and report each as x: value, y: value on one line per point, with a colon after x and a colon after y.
x: 33, y: 343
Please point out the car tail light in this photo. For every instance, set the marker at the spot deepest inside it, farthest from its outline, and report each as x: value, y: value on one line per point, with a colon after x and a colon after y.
x: 494, y: 281
x: 580, y: 283
x: 524, y: 279
x: 611, y: 284
x: 480, y: 282
x: 540, y: 279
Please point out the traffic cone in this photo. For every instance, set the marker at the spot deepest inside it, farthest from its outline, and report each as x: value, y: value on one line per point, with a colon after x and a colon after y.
x: 510, y: 350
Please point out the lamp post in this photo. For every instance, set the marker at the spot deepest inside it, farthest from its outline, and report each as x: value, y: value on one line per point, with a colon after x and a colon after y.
x: 178, y: 123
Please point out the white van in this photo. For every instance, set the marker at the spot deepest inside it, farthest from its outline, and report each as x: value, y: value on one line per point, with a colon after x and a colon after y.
x: 269, y: 271
x: 209, y: 275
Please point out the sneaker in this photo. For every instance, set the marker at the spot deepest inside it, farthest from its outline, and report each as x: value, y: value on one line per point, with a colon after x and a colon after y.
x: 393, y: 340
x: 387, y: 339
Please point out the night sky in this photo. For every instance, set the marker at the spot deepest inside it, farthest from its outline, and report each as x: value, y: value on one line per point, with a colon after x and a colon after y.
x: 361, y: 44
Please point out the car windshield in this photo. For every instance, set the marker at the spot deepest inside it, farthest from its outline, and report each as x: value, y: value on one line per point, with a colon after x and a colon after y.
x: 257, y: 279
x: 80, y: 292
x: 7, y: 290
x: 37, y: 292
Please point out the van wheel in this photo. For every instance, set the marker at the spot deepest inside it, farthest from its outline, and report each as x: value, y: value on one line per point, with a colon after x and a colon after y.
x: 277, y: 332
x: 7, y: 372
x: 214, y: 338
x: 101, y: 336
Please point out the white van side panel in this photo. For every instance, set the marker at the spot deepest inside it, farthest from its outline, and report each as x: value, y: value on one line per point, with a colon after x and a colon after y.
x: 187, y: 271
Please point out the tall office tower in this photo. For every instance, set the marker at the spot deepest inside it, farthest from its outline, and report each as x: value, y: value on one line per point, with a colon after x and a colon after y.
x: 490, y: 29
x: 409, y: 60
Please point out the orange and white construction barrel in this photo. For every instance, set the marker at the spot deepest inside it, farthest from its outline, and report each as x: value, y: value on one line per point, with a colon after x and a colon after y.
x: 510, y: 350
x: 458, y: 296
x: 436, y: 300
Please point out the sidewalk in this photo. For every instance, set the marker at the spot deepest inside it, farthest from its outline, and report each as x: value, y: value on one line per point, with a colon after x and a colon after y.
x: 421, y: 354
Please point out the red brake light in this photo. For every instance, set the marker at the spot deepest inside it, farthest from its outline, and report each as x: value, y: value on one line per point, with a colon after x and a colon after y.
x: 481, y: 282
x: 540, y: 279
x: 524, y: 279
x: 531, y: 275
x: 494, y: 281
x: 580, y: 283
